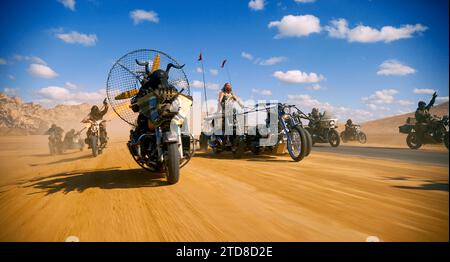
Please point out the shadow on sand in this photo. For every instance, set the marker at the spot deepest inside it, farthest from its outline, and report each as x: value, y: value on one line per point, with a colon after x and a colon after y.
x: 63, y: 160
x: 103, y: 179
x: 428, y: 185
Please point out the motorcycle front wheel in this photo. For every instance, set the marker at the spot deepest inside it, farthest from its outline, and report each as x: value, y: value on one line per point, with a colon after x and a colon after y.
x: 172, y: 163
x: 94, y: 147
x: 296, y: 143
x: 362, y: 138
x: 413, y: 141
x: 333, y: 138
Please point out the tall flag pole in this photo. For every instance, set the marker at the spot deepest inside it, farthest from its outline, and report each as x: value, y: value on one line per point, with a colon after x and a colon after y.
x: 228, y: 72
x: 200, y: 58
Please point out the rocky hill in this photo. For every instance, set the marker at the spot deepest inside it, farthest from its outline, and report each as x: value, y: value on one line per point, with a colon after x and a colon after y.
x: 20, y: 118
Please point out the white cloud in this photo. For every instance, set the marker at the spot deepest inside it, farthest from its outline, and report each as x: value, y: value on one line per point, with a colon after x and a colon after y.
x: 53, y: 95
x: 42, y: 71
x: 213, y: 72
x: 256, y: 5
x: 304, y: 1
x: 441, y: 99
x: 423, y: 91
x: 263, y: 92
x: 380, y: 97
x: 70, y: 85
x: 10, y: 91
x: 307, y: 102
x: 315, y: 87
x: 298, y: 77
x: 78, y: 38
x: 138, y: 16
x: 34, y: 59
x: 405, y: 102
x: 3, y: 61
x: 199, y: 70
x: 394, y: 67
x: 11, y: 77
x: 247, y: 56
x: 199, y: 84
x: 296, y: 26
x: 366, y: 34
x: 69, y: 4
x: 272, y: 61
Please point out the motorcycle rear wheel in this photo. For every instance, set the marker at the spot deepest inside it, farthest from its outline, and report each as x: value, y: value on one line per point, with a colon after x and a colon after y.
x: 362, y: 138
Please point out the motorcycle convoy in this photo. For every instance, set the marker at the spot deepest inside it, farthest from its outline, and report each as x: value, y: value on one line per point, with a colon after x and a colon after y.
x: 156, y: 104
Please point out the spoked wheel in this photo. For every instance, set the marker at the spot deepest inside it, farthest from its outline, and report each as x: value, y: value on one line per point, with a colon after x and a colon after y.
x: 333, y: 138
x: 413, y: 140
x: 296, y: 143
x: 362, y: 138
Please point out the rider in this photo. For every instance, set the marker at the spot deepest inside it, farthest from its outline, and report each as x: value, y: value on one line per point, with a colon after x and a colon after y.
x: 96, y: 115
x: 55, y: 129
x: 349, y: 127
x: 225, y: 94
x: 315, y: 117
x: 423, y: 115
x: 68, y: 138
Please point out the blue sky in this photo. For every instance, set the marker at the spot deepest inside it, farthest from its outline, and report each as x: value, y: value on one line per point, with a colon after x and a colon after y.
x: 365, y: 59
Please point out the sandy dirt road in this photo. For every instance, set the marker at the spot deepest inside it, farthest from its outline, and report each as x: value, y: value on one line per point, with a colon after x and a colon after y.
x: 327, y: 197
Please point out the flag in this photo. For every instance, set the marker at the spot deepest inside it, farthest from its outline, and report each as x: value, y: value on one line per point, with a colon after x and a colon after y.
x: 200, y: 58
x: 223, y: 63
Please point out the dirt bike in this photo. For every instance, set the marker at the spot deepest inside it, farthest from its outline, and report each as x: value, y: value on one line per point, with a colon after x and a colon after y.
x: 355, y: 134
x: 422, y: 133
x: 159, y: 141
x: 76, y: 142
x: 324, y: 131
x: 55, y: 143
x: 96, y: 140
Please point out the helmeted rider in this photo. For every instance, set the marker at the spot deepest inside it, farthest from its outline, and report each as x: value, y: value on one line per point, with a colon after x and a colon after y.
x: 95, y: 115
x: 58, y: 131
x: 423, y: 115
x: 349, y: 127
x: 315, y: 117
x: 68, y: 138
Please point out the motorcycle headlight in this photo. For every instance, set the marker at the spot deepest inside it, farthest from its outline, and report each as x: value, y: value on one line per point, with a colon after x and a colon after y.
x: 332, y: 123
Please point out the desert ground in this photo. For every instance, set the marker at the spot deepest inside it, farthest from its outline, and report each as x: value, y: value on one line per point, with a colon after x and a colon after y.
x: 328, y: 196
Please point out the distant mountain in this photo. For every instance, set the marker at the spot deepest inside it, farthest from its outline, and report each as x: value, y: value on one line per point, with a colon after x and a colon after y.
x: 19, y: 118
x: 391, y: 124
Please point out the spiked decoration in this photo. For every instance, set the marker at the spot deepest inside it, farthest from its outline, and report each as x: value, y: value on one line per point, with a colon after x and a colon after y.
x: 126, y: 94
x: 156, y: 63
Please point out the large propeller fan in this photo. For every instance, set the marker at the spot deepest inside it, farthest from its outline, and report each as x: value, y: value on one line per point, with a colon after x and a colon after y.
x: 125, y: 76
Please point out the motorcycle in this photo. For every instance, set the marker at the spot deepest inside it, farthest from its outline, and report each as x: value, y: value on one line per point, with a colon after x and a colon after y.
x: 282, y: 129
x: 96, y: 140
x: 325, y: 131
x: 55, y: 143
x: 76, y: 142
x: 355, y: 134
x: 159, y: 140
x: 421, y: 133
x: 289, y: 132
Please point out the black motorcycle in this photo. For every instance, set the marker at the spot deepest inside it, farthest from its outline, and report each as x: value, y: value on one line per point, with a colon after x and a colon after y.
x: 157, y: 141
x: 421, y: 133
x: 355, y: 134
x: 324, y: 131
x: 55, y: 143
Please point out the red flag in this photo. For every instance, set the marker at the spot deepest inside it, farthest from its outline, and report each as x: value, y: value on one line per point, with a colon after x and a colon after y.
x: 200, y: 58
x: 223, y: 63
